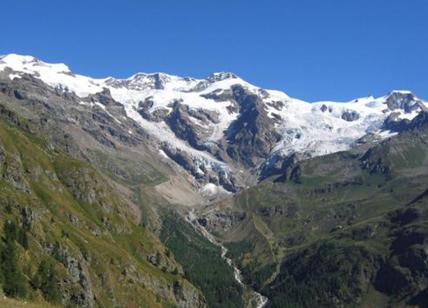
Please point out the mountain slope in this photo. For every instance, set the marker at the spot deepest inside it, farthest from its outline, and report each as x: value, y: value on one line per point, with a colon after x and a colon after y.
x: 62, y: 216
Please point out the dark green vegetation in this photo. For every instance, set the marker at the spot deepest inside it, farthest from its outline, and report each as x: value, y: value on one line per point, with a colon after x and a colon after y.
x: 350, y: 269
x: 45, y: 280
x: 345, y: 229
x: 13, y: 279
x: 201, y: 263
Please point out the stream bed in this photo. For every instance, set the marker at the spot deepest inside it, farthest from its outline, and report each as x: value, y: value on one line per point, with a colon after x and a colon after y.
x: 257, y: 300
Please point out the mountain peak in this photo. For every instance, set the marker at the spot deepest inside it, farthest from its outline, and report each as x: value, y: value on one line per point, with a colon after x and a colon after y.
x: 141, y: 75
x: 402, y: 92
x: 220, y: 76
x: 13, y: 57
x: 30, y: 64
x: 401, y: 99
x: 16, y: 58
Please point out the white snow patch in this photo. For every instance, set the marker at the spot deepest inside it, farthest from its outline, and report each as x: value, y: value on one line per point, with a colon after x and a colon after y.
x: 387, y: 134
x: 211, y: 189
x: 13, y: 76
x: 408, y: 116
x: 402, y: 91
x: 163, y: 154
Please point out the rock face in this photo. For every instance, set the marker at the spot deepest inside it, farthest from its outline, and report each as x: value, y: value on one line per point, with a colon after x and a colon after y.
x: 402, y: 100
x: 394, y: 123
x: 251, y: 136
x: 350, y: 116
x: 420, y: 121
x: 281, y: 165
x: 221, y: 220
x: 144, y: 110
x: 78, y: 279
x: 189, y: 124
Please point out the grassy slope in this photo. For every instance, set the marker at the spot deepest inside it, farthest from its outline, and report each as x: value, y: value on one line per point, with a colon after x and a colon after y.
x: 13, y: 303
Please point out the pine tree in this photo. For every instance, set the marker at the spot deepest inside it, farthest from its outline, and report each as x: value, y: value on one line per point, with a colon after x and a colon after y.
x: 23, y: 238
x: 10, y: 231
x: 14, y: 282
x: 45, y: 279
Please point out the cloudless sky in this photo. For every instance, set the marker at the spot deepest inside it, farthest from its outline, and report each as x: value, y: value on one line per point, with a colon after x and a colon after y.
x: 311, y: 49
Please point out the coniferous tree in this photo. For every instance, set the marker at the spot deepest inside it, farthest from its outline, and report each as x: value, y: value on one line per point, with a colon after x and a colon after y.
x: 45, y: 279
x: 10, y: 231
x: 23, y: 238
x: 14, y: 282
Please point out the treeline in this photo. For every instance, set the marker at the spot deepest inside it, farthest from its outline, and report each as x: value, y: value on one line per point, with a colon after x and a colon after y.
x: 14, y: 282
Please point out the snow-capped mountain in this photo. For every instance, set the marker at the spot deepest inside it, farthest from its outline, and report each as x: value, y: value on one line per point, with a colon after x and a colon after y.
x: 223, y: 130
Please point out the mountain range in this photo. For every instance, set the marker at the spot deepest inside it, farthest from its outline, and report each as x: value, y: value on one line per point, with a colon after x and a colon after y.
x: 222, y: 130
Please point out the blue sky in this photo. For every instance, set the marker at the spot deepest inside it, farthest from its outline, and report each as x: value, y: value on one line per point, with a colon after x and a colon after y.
x: 311, y: 49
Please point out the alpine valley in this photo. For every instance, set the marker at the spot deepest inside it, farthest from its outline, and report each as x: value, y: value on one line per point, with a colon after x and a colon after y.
x: 168, y: 191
